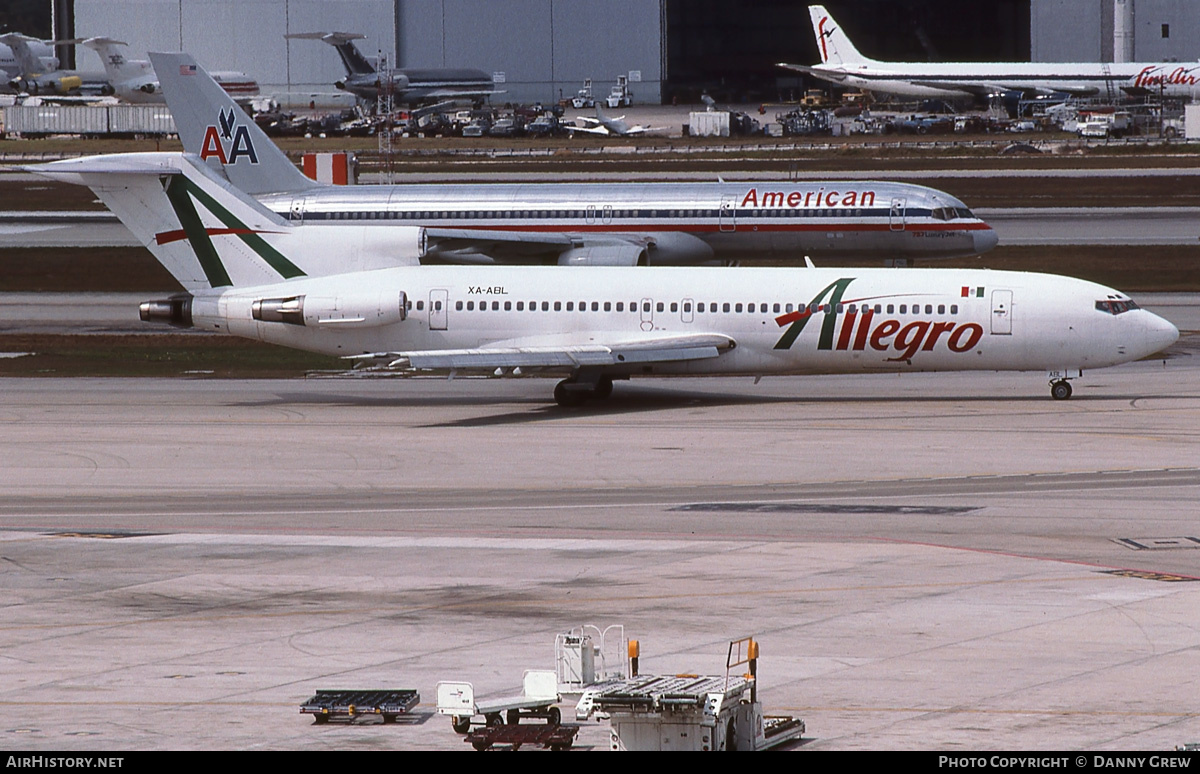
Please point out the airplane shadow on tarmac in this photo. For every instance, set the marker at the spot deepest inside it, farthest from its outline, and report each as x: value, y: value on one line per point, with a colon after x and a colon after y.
x: 632, y: 399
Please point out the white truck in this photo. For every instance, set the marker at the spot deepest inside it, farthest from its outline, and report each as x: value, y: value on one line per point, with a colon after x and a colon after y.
x: 1104, y: 125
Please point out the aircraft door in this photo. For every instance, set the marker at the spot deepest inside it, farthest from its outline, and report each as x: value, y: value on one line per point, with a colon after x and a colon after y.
x: 727, y: 219
x: 297, y: 211
x: 896, y: 214
x: 685, y: 310
x: 591, y: 213
x: 1002, y: 312
x: 647, y: 314
x: 439, y: 307
x: 606, y: 214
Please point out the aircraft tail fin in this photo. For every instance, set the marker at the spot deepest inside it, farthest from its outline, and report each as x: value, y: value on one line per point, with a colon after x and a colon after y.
x: 352, y: 59
x: 209, y: 235
x: 22, y: 53
x: 213, y: 126
x: 832, y: 42
x: 116, y: 67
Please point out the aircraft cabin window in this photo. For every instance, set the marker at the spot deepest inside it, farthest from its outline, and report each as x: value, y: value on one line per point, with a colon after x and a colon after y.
x: 941, y: 308
x: 674, y: 306
x: 645, y: 306
x: 954, y: 309
x: 520, y: 306
x: 929, y: 309
x: 437, y: 306
x: 570, y: 306
x: 659, y: 306
x: 725, y: 307
x: 458, y: 306
x: 558, y: 306
x: 508, y: 306
x: 687, y: 308
x: 620, y: 306
x: 545, y: 306
x: 420, y: 305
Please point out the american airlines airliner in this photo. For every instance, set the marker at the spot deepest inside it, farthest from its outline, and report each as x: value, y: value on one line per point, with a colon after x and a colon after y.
x: 582, y: 224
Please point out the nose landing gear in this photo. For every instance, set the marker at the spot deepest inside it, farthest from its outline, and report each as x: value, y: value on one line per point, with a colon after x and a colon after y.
x: 1060, y: 389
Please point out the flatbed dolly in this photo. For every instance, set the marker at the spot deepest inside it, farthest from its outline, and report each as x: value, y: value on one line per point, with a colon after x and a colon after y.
x: 351, y: 705
x: 550, y: 736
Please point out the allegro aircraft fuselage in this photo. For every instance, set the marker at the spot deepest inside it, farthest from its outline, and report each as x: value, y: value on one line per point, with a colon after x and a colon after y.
x: 344, y: 290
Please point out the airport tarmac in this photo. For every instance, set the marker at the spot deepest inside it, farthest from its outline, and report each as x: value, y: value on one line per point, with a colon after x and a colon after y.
x: 929, y: 561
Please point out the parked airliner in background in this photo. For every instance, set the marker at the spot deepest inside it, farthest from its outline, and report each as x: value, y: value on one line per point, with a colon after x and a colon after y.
x: 41, y: 50
x: 609, y: 224
x: 610, y: 126
x: 409, y: 86
x: 338, y: 290
x: 34, y: 77
x: 133, y: 80
x: 842, y: 64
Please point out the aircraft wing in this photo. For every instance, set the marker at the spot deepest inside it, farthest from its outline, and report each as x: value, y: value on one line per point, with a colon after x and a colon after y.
x: 976, y: 88
x: 598, y: 129
x: 471, y: 246
x: 449, y: 93
x: 534, y: 353
x: 484, y: 246
x: 819, y: 72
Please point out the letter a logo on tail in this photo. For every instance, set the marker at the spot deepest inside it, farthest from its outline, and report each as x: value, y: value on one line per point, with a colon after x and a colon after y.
x: 799, y: 319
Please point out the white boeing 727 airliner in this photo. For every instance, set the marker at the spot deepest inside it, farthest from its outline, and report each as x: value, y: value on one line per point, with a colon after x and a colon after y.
x: 582, y: 224
x: 842, y: 64
x: 337, y: 290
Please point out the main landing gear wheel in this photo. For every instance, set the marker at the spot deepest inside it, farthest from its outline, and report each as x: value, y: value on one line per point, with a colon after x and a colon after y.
x: 565, y: 397
x: 1060, y: 390
x: 461, y: 724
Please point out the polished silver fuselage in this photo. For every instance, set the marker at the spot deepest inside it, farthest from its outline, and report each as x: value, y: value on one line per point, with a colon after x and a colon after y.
x: 685, y: 222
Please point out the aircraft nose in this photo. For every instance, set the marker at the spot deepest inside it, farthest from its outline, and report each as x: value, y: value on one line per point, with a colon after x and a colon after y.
x: 985, y: 239
x: 1160, y: 334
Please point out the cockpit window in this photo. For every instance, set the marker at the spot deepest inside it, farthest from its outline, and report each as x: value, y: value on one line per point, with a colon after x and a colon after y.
x: 1111, y: 306
x: 963, y: 212
x: 942, y: 213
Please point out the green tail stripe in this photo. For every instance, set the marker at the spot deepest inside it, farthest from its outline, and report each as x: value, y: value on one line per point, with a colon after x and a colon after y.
x: 275, y: 259
x: 210, y: 262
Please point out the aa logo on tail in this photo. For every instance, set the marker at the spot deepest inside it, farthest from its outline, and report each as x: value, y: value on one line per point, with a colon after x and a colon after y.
x: 229, y: 143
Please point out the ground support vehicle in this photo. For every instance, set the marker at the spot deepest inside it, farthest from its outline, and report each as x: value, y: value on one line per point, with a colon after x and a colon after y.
x: 553, y: 737
x: 352, y: 705
x: 690, y: 712
x: 538, y: 696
